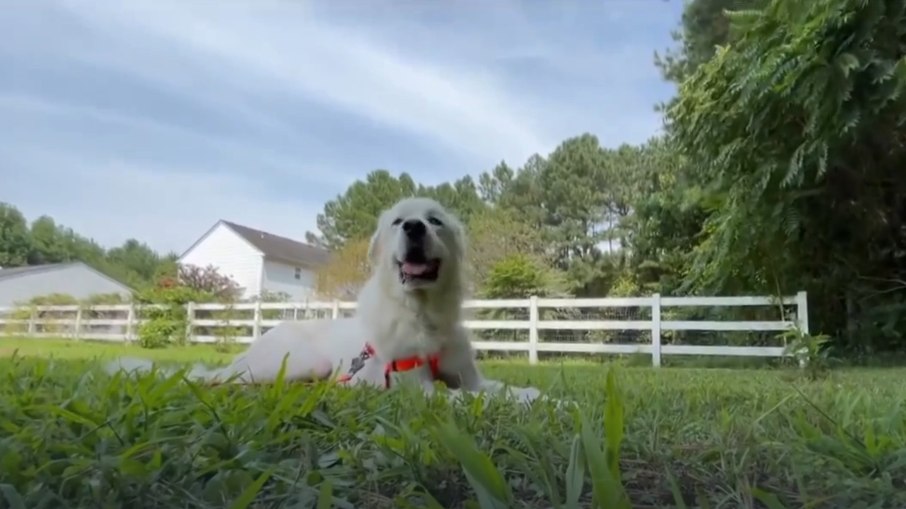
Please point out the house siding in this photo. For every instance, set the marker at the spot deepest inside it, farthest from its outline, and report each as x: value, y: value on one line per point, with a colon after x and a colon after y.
x: 77, y: 280
x: 280, y: 277
x: 231, y: 255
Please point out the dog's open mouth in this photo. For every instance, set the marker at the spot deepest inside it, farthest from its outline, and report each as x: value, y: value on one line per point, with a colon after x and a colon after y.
x: 426, y: 271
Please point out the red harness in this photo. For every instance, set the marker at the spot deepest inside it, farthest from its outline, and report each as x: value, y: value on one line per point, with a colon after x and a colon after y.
x: 395, y: 366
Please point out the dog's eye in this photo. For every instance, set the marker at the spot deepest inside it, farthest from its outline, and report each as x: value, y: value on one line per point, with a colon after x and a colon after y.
x: 435, y: 221
x: 397, y: 221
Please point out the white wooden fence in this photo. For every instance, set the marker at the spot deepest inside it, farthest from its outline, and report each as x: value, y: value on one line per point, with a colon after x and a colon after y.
x: 79, y: 322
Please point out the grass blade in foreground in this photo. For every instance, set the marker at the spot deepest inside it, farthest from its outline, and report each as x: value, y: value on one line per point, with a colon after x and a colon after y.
x: 575, y: 474
x: 607, y: 490
x: 768, y: 499
x: 251, y: 491
x: 675, y: 490
x: 489, y: 485
x: 325, y: 495
x: 12, y: 496
x: 613, y: 424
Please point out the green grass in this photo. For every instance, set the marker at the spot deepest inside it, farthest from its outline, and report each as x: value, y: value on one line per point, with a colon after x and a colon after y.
x: 87, y: 350
x: 73, y: 437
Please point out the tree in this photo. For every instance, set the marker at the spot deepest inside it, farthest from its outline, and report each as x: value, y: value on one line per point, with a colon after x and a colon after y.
x: 345, y: 272
x: 354, y: 214
x: 520, y: 192
x: 47, y: 243
x: 667, y: 213
x: 578, y: 199
x: 136, y: 257
x: 705, y: 25
x: 491, y: 186
x: 574, y: 190
x: 797, y: 131
x: 461, y: 197
x: 80, y: 248
x: 519, y: 276
x: 168, y: 267
x: 497, y: 234
x: 14, y: 238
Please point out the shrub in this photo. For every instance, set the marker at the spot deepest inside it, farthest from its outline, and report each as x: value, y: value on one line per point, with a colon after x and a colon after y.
x: 165, y: 304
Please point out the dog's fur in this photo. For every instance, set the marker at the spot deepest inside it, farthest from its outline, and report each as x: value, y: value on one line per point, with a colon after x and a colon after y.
x: 399, y: 316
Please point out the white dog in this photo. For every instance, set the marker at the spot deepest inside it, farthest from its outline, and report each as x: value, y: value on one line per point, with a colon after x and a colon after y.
x: 408, y: 318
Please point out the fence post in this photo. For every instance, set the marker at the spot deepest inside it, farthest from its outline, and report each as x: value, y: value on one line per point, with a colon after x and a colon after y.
x: 533, y: 330
x: 802, y: 320
x: 335, y: 311
x: 656, y: 330
x: 78, y: 322
x: 190, y: 319
x: 130, y: 323
x: 31, y: 321
x: 802, y: 311
x: 256, y: 327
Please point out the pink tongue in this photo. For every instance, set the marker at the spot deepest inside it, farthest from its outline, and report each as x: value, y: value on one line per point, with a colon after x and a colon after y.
x: 415, y: 269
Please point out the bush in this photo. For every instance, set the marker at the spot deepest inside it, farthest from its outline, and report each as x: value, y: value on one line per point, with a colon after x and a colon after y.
x: 164, y: 314
x: 164, y: 310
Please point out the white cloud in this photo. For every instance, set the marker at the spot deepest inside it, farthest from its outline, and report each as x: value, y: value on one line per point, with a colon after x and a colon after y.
x: 306, y: 58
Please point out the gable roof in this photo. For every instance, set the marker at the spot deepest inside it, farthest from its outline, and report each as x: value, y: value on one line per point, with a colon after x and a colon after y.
x: 29, y: 269
x: 281, y: 248
x: 47, y: 267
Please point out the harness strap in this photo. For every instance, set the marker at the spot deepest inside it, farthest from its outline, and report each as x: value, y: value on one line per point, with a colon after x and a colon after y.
x: 410, y: 363
x: 398, y: 365
x: 358, y: 363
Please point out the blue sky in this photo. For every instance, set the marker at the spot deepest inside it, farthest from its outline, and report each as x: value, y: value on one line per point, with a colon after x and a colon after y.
x: 154, y: 118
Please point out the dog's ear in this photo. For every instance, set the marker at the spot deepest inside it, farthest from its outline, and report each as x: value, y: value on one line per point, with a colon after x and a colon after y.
x: 373, y: 243
x: 459, y: 232
x: 372, y: 246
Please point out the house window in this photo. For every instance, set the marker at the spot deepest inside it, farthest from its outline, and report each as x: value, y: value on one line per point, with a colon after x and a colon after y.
x: 298, y: 274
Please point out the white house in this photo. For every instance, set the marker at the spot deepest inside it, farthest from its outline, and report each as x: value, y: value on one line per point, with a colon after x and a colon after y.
x: 21, y: 284
x: 258, y: 261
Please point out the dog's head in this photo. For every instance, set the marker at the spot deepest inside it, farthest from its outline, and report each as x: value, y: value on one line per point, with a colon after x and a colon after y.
x: 418, y: 245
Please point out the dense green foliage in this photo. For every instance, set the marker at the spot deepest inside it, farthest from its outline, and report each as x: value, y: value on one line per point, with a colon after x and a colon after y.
x: 797, y: 130
x: 705, y: 26
x: 707, y: 438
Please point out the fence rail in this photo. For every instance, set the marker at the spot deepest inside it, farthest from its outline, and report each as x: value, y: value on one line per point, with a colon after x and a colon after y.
x: 122, y: 322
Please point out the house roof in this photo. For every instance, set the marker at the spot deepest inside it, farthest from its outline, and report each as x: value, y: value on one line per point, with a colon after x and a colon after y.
x: 281, y: 248
x: 36, y: 269
x: 30, y: 269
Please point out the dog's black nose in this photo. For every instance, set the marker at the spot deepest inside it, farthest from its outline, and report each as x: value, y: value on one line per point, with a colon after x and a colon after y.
x: 414, y: 228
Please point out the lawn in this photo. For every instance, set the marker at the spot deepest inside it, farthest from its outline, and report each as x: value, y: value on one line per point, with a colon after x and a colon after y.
x: 73, y: 437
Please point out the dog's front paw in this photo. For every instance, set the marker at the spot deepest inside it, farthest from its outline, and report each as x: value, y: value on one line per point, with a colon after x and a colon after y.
x: 524, y: 394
